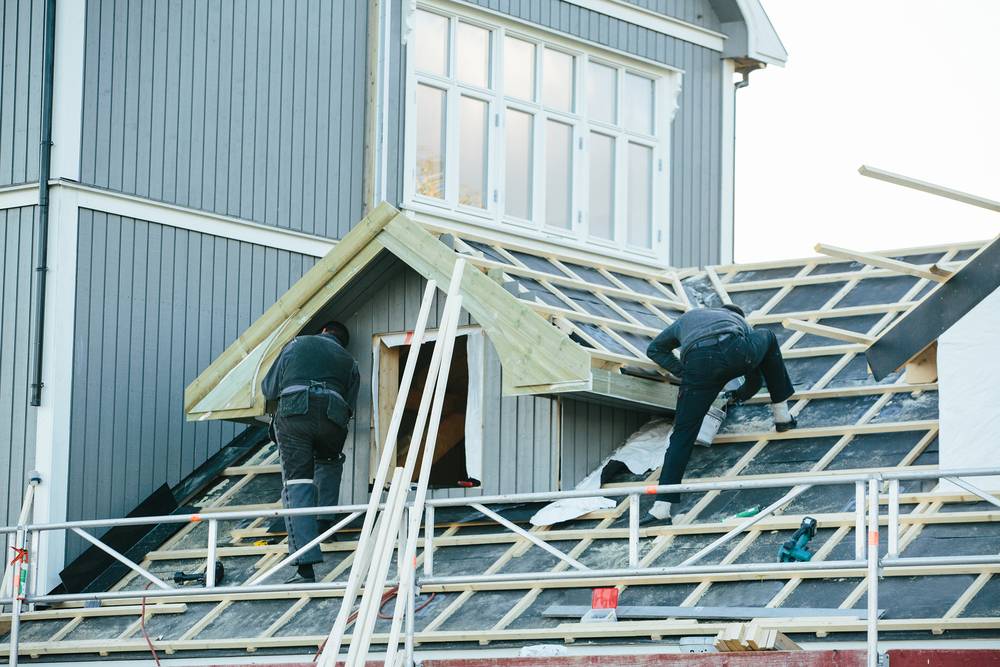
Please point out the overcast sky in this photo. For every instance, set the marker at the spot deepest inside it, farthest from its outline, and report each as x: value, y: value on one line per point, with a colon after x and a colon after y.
x: 910, y: 86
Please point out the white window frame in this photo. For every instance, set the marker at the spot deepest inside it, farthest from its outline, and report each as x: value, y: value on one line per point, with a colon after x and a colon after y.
x: 666, y: 81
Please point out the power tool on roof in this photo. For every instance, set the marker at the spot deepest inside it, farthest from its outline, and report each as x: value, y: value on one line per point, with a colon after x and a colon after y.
x: 182, y: 578
x: 794, y: 550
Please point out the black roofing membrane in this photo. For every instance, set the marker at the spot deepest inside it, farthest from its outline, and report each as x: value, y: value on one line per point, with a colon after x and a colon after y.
x: 765, y: 274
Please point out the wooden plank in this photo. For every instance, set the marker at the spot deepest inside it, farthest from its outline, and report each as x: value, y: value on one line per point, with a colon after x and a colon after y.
x: 613, y: 386
x: 95, y: 612
x: 827, y: 331
x: 822, y: 431
x: 923, y: 367
x: 858, y: 390
x: 879, y: 261
x: 929, y: 188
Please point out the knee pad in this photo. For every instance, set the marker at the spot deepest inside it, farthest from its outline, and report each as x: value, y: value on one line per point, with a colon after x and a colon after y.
x: 299, y: 493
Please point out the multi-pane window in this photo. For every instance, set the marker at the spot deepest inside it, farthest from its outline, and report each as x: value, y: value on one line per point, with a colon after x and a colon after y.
x: 516, y: 128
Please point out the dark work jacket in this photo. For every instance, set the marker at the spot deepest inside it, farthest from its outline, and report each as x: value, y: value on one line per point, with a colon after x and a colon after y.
x: 692, y: 326
x: 310, y: 360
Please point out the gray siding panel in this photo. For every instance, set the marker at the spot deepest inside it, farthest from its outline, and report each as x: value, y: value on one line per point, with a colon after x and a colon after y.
x: 154, y: 306
x: 17, y: 418
x: 698, y: 12
x: 21, y: 28
x: 696, y: 138
x: 590, y: 432
x: 251, y: 109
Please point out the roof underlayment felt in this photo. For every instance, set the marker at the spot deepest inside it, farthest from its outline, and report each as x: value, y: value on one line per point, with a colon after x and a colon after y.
x: 848, y: 422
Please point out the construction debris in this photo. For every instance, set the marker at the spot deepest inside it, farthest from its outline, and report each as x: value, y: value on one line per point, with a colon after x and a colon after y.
x: 752, y: 637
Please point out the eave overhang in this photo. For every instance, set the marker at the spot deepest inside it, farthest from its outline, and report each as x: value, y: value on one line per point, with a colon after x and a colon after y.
x: 919, y: 328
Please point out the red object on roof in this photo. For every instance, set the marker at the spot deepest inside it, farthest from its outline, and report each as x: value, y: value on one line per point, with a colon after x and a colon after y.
x: 604, y: 598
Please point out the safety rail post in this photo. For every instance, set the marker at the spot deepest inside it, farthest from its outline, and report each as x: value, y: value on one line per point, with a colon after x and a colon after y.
x: 860, y: 539
x: 33, y: 578
x: 633, y: 530
x: 872, y: 574
x: 17, y: 587
x: 213, y: 538
x: 893, y: 527
x: 429, y: 541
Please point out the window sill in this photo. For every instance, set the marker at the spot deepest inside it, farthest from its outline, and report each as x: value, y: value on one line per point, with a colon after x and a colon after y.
x: 518, y: 233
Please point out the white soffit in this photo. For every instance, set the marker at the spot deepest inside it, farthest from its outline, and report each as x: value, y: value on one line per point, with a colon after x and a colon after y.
x: 763, y: 43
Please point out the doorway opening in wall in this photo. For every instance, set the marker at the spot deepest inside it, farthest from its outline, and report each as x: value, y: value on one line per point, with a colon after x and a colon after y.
x: 457, y: 459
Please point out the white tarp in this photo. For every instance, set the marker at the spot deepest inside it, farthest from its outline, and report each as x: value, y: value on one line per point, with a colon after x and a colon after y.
x: 642, y: 452
x: 969, y: 397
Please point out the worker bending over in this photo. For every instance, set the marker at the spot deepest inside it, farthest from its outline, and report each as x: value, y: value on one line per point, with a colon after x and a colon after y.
x: 315, y: 382
x: 716, y: 346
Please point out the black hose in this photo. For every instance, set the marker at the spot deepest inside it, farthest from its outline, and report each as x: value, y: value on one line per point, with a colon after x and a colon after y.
x: 44, y: 169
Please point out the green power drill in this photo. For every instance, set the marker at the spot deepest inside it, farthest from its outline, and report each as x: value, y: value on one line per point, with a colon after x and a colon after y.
x: 795, y: 550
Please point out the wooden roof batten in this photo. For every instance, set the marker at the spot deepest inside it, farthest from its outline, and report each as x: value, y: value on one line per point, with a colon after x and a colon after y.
x: 536, y: 357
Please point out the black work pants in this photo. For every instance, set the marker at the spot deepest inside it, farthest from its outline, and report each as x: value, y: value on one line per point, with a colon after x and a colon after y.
x: 312, y: 464
x: 707, y: 369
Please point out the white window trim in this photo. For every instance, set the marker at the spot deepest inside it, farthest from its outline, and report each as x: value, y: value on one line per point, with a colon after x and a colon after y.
x: 442, y: 213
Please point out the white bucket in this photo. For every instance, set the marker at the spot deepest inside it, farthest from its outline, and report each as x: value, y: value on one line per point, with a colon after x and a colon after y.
x: 710, y: 426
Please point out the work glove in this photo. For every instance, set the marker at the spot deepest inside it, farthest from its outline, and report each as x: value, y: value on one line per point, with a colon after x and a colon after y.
x: 731, y: 398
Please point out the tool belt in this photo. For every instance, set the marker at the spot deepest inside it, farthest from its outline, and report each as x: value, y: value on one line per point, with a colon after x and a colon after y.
x: 294, y: 400
x: 708, y: 341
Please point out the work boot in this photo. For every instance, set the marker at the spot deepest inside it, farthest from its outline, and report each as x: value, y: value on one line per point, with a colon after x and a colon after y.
x: 781, y: 427
x: 303, y: 575
x: 658, y: 515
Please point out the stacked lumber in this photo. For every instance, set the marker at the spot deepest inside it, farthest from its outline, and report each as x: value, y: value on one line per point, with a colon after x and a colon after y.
x: 752, y: 637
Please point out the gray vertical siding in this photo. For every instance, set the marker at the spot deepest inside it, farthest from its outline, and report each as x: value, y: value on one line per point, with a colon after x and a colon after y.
x: 520, y: 434
x: 696, y: 138
x: 698, y: 12
x: 154, y: 306
x: 253, y: 108
x: 21, y: 27
x: 590, y: 432
x: 17, y: 418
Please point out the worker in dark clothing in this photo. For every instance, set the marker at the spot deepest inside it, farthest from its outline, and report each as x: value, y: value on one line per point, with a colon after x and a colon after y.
x: 716, y: 345
x: 315, y: 382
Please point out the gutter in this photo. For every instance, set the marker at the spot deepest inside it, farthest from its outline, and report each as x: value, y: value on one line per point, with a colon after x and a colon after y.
x: 44, y: 169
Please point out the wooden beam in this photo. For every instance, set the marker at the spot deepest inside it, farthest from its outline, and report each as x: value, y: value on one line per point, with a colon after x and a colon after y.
x: 923, y: 367
x: 827, y: 331
x: 878, y: 260
x: 929, y: 188
x: 97, y: 612
x: 613, y: 387
x: 822, y: 431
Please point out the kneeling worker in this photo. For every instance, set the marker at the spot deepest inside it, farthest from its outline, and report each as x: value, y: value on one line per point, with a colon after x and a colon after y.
x: 315, y: 381
x: 716, y: 345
